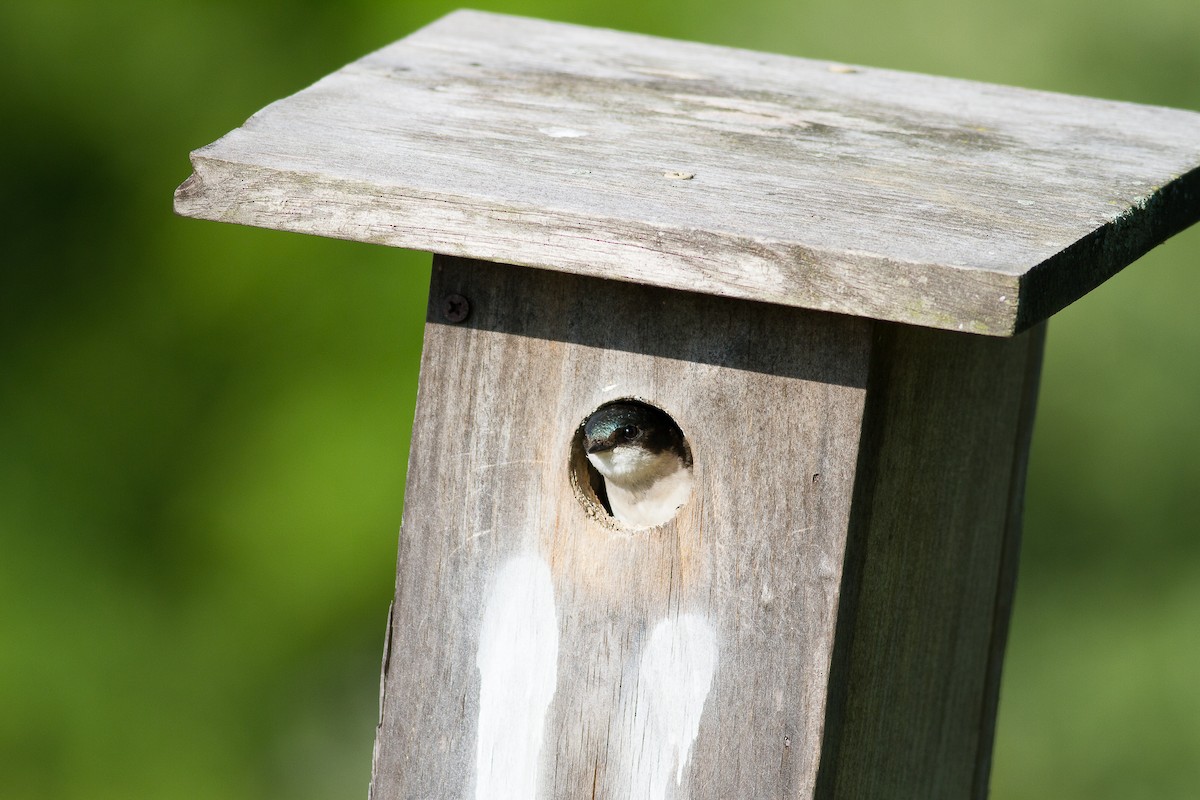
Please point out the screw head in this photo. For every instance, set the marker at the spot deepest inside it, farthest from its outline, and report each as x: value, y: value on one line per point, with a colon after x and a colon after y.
x: 455, y: 308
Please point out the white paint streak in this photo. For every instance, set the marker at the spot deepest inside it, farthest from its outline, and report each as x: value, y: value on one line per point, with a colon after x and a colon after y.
x: 673, y: 682
x: 518, y: 671
x: 562, y: 133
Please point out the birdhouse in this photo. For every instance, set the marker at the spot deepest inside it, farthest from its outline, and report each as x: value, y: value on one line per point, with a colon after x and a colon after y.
x: 810, y: 295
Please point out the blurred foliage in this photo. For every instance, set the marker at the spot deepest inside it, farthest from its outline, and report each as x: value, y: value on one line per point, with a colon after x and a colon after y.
x: 203, y: 428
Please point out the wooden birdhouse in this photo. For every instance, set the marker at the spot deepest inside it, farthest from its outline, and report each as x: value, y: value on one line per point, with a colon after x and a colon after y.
x: 832, y: 280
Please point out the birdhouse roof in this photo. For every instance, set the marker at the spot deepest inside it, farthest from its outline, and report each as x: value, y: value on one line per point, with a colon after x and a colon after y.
x: 923, y: 200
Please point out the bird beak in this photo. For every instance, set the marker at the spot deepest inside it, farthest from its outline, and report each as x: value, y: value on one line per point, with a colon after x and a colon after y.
x: 598, y: 446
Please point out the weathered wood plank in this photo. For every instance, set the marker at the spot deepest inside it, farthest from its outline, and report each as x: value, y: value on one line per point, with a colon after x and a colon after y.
x: 824, y: 618
x: 932, y: 560
x: 932, y: 201
x: 685, y: 661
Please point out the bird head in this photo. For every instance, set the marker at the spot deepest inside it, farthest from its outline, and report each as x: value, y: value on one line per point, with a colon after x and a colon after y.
x: 631, y: 442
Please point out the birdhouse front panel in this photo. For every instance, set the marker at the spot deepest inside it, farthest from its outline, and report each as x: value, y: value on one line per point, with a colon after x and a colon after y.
x: 541, y: 647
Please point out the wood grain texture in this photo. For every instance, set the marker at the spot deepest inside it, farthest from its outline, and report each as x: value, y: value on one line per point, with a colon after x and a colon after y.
x: 895, y: 196
x: 770, y: 400
x: 835, y: 594
x: 932, y: 564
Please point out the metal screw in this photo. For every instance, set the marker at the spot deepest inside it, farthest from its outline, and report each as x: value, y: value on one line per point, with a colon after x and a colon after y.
x: 455, y: 308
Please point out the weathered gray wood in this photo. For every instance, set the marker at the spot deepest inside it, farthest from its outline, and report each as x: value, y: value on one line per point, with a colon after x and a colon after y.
x: 822, y: 486
x: 1006, y: 581
x: 938, y: 202
x: 932, y: 564
x: 770, y: 400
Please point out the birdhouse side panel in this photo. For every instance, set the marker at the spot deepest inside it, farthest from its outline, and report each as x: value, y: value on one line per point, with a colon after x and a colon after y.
x: 933, y: 558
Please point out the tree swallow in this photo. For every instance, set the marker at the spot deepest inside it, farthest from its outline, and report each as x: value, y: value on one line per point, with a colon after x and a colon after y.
x: 640, y: 453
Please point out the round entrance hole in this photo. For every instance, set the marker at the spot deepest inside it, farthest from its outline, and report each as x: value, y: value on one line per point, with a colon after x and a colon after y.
x: 630, y: 465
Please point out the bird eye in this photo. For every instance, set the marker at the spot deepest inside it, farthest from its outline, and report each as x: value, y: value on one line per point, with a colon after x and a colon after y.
x: 629, y: 432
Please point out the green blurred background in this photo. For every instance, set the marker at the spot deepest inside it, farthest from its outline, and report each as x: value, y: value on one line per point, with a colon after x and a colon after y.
x: 203, y: 428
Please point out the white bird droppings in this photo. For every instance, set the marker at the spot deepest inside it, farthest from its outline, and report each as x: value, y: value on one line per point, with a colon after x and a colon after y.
x: 674, y: 679
x: 518, y: 672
